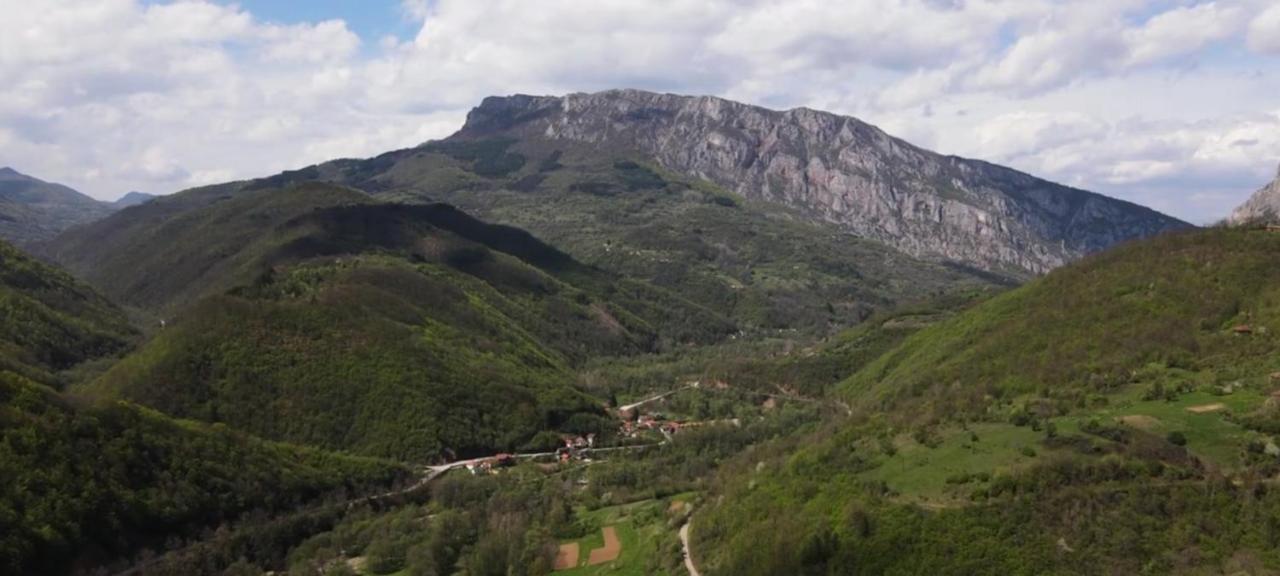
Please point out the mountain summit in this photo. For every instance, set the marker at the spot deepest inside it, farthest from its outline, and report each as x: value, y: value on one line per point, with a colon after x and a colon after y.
x: 838, y: 169
x: 32, y: 210
x: 1264, y: 205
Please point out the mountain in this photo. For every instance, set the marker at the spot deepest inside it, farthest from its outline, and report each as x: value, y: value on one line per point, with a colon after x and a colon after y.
x: 765, y: 265
x: 33, y: 210
x: 87, y: 484
x: 318, y: 315
x: 1118, y: 415
x: 837, y: 169
x: 133, y: 199
x: 1263, y: 206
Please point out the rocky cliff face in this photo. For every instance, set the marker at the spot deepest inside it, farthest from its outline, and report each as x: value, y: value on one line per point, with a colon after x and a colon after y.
x: 842, y: 170
x: 1263, y: 206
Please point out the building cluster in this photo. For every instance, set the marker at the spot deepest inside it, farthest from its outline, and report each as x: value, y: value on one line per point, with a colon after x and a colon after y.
x: 633, y: 427
x: 575, y: 448
x: 492, y: 465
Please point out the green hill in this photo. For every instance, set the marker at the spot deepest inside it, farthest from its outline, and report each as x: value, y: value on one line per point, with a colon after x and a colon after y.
x: 324, y: 317
x: 50, y: 322
x: 166, y: 253
x: 1119, y: 415
x: 1181, y: 311
x: 85, y: 484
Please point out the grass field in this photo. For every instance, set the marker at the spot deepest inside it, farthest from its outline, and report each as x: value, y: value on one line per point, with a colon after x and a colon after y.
x: 919, y: 472
x: 1210, y: 435
x: 642, y: 528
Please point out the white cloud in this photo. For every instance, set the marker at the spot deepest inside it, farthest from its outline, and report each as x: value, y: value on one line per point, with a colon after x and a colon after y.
x: 1264, y: 31
x: 1168, y: 102
x: 327, y: 41
x: 1181, y: 31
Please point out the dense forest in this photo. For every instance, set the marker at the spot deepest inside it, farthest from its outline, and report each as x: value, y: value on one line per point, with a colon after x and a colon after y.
x: 84, y: 483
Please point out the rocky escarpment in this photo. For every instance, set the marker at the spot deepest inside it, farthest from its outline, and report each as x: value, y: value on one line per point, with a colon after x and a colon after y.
x: 842, y: 170
x: 1262, y: 207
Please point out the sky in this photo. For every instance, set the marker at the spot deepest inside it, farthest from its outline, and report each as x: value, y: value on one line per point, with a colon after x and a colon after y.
x: 1174, y: 104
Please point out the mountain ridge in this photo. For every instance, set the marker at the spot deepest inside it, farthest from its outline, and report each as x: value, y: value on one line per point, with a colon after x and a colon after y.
x: 33, y: 210
x: 839, y: 169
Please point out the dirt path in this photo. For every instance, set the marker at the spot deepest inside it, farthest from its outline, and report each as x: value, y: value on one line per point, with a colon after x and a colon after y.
x: 635, y: 405
x: 610, y: 551
x: 567, y: 557
x: 684, y: 544
x: 1204, y: 408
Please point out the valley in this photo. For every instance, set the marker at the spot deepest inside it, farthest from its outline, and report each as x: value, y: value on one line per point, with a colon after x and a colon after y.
x: 636, y: 333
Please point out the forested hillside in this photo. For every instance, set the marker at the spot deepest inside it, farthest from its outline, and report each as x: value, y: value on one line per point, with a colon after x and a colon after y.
x: 412, y: 331
x: 1184, y: 310
x: 84, y: 484
x: 51, y: 321
x: 91, y: 484
x: 1116, y: 416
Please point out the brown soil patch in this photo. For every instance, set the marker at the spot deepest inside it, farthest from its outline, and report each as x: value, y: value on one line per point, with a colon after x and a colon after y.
x: 1203, y: 408
x: 611, y: 550
x: 567, y: 557
x: 607, y: 320
x: 1141, y: 421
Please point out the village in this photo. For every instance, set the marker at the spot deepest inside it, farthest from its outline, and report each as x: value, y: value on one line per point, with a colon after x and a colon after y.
x: 639, y: 426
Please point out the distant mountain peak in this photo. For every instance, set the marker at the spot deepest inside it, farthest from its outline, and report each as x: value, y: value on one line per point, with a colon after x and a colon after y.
x: 1262, y: 206
x: 32, y: 210
x: 838, y: 169
x: 133, y: 198
x: 7, y: 173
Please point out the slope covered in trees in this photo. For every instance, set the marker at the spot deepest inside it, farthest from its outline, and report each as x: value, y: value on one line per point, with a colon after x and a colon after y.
x: 1119, y: 415
x: 1182, y: 310
x: 84, y: 484
x: 49, y: 321
x: 412, y: 331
